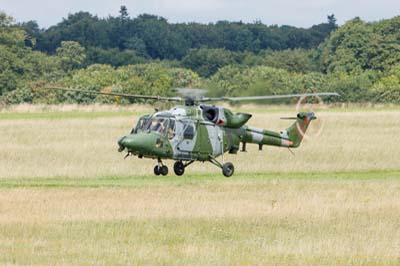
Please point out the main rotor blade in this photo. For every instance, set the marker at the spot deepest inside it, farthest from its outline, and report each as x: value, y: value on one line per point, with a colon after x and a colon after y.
x: 269, y: 97
x: 288, y: 118
x: 126, y: 95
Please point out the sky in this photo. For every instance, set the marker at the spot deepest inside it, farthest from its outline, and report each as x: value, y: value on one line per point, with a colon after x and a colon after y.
x: 300, y: 13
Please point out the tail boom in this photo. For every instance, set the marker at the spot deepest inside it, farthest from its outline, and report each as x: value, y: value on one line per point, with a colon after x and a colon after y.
x: 291, y: 137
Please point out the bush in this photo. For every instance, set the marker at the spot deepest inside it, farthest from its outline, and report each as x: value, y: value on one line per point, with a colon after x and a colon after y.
x: 17, y: 96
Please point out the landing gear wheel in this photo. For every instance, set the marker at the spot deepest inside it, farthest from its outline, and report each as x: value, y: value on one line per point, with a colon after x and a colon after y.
x: 179, y: 168
x: 164, y: 170
x: 228, y: 169
x: 157, y: 170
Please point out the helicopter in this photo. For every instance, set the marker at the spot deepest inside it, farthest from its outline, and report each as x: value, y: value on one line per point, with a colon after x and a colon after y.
x: 197, y: 131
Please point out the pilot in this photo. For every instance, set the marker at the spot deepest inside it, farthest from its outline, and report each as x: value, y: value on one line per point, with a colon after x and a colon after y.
x: 161, y: 126
x: 171, y: 133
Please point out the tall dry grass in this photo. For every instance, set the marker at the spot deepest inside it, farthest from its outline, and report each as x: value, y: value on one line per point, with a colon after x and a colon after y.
x: 230, y: 222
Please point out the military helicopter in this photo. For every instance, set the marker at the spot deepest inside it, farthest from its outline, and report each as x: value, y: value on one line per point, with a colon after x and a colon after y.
x: 196, y: 131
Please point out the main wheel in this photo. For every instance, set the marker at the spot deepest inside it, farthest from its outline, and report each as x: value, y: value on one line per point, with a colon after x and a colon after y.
x: 164, y: 170
x: 157, y: 170
x: 179, y: 168
x: 228, y: 169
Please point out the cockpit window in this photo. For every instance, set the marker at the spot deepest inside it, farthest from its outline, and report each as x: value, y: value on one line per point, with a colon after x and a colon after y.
x: 158, y: 125
x: 140, y: 126
x: 163, y: 126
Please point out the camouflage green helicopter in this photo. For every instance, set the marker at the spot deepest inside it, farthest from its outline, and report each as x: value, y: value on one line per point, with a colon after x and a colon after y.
x: 201, y: 132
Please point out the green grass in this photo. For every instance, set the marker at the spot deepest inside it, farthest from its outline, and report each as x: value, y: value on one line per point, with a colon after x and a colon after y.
x: 193, y: 179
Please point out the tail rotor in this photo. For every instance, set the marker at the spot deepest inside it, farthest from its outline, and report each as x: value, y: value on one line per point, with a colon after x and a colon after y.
x: 313, y: 104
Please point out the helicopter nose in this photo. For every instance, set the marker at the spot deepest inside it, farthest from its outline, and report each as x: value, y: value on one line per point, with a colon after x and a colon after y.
x: 136, y: 143
x: 128, y: 142
x: 121, y: 144
x: 145, y: 144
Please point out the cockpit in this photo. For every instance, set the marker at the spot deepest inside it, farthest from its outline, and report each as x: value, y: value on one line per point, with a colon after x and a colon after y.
x: 161, y: 125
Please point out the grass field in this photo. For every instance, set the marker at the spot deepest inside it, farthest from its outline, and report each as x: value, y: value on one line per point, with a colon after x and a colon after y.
x: 68, y: 198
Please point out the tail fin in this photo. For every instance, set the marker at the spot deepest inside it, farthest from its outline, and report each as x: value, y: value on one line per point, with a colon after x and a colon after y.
x: 296, y: 132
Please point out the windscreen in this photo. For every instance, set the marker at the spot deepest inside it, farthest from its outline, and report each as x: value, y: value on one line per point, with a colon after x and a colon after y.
x: 140, y: 126
x: 158, y: 125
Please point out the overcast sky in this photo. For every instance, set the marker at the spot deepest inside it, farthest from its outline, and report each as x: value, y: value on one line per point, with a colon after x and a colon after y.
x: 303, y: 13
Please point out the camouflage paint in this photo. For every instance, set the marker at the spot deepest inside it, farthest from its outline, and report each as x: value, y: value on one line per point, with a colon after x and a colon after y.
x: 211, y: 138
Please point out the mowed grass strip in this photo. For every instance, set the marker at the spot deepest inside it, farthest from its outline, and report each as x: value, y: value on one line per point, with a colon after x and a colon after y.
x: 193, y: 179
x: 338, y: 219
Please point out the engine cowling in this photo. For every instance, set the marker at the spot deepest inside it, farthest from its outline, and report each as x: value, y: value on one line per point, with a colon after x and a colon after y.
x: 236, y: 120
x: 224, y: 117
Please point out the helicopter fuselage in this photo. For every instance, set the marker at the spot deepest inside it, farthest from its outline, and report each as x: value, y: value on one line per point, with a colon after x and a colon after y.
x: 182, y: 133
x: 203, y: 133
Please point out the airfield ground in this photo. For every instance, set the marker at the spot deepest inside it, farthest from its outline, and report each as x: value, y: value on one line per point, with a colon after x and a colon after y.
x: 68, y: 198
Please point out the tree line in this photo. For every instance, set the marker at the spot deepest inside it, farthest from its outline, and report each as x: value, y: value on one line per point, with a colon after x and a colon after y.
x: 149, y: 55
x: 154, y: 37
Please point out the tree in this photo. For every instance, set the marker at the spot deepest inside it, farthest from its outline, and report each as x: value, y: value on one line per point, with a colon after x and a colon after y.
x: 137, y: 45
x: 123, y: 13
x: 358, y: 46
x: 207, y: 61
x: 113, y: 57
x: 33, y: 32
x: 80, y: 27
x: 387, y: 89
x: 10, y: 35
x: 332, y: 20
x: 297, y: 60
x: 346, y: 49
x: 71, y: 54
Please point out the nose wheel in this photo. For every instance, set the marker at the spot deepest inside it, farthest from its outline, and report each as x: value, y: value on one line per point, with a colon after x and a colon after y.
x: 160, y: 169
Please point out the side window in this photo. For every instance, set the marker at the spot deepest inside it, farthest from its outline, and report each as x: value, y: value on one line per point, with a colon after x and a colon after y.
x: 189, y: 132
